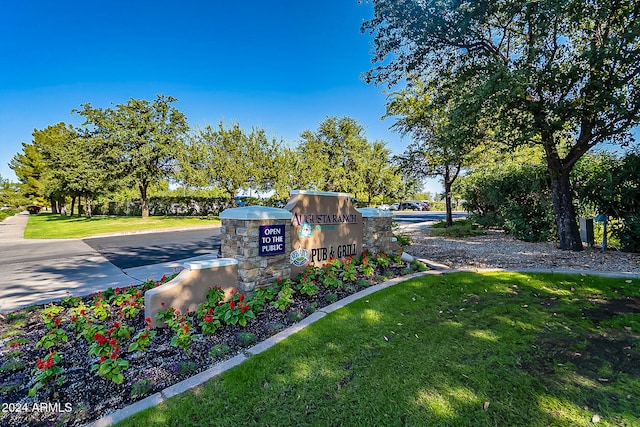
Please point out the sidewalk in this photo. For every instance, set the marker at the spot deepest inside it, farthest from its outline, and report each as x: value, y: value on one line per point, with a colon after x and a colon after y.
x: 44, y: 270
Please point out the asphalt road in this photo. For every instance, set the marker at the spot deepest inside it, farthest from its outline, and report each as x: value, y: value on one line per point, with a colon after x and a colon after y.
x: 136, y: 250
x: 422, y: 216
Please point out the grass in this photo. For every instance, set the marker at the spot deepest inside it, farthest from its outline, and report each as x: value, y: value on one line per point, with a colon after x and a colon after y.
x: 6, y: 213
x: 459, y: 350
x: 460, y: 228
x: 49, y: 226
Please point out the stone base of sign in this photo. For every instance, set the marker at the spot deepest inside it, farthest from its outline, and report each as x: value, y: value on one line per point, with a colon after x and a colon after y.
x: 239, y: 239
x: 189, y: 288
x: 377, y: 230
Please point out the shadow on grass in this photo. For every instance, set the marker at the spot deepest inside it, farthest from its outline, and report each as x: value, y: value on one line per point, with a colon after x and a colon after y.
x: 463, y: 349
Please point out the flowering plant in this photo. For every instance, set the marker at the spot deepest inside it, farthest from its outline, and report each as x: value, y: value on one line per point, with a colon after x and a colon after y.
x: 382, y: 259
x: 182, y: 333
x: 285, y: 297
x: 368, y: 269
x: 215, y: 295
x: 236, y: 311
x: 111, y: 368
x: 100, y: 309
x: 47, y: 370
x: 53, y: 337
x: 209, y: 323
x: 307, y: 286
x: 143, y: 338
x: 348, y: 270
x: 179, y: 324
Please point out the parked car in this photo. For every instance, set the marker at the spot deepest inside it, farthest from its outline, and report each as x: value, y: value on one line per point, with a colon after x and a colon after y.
x: 394, y: 206
x: 383, y: 206
x: 412, y: 206
x: 425, y: 205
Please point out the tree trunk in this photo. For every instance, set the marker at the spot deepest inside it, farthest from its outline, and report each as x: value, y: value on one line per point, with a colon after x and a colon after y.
x: 87, y: 203
x: 447, y: 199
x: 62, y: 207
x: 54, y: 205
x: 73, y: 204
x: 565, y: 213
x: 144, y: 203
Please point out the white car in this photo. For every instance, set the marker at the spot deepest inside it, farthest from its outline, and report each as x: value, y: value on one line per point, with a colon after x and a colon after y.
x: 394, y: 207
x: 384, y: 207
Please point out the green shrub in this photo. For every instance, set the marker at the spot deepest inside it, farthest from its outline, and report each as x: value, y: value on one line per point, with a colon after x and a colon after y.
x: 460, y: 228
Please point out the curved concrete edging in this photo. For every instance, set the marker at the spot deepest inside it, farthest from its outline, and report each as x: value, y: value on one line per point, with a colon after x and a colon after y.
x: 219, y: 368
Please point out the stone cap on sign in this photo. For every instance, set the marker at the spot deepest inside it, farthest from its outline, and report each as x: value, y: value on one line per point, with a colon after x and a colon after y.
x: 318, y: 193
x: 210, y: 263
x: 255, y: 213
x: 374, y: 212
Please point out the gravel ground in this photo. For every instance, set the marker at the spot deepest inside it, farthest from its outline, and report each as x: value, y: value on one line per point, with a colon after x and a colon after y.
x: 498, y: 250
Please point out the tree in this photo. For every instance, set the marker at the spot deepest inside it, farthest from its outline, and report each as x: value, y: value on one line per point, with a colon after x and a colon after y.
x: 31, y: 167
x: 230, y: 159
x: 144, y: 137
x: 445, y: 140
x: 376, y: 172
x: 78, y: 166
x: 564, y: 74
x: 330, y: 156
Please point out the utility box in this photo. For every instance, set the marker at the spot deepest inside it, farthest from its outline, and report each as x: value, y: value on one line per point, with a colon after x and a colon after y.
x: 586, y: 231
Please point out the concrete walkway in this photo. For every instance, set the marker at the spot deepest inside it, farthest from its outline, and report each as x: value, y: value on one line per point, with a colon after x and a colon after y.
x: 37, y: 271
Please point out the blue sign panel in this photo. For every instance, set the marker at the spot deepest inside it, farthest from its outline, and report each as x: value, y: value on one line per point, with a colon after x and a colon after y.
x: 271, y: 240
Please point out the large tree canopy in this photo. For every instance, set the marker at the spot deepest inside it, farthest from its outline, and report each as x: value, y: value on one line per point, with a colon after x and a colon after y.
x: 143, y: 136
x: 230, y: 159
x: 564, y: 74
x: 330, y: 155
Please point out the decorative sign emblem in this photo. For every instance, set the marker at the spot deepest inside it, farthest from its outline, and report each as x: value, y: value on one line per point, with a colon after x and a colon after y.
x: 305, y: 231
x: 299, y: 257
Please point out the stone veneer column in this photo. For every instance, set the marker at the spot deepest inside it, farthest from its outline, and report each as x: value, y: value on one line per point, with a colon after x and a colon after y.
x: 239, y: 240
x: 378, y: 231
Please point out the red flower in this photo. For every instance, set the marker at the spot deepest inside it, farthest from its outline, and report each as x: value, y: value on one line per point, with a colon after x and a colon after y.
x: 186, y: 328
x: 163, y: 278
x: 14, y: 344
x: 113, y: 342
x: 241, y: 297
x: 56, y: 322
x: 116, y: 325
x: 116, y: 352
x: 148, y: 320
x: 117, y: 290
x: 102, y: 359
x: 99, y: 338
x: 83, y: 312
x: 207, y: 318
x: 232, y: 305
x: 74, y: 318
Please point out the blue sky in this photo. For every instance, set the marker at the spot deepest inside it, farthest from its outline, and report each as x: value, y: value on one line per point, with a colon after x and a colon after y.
x: 281, y: 65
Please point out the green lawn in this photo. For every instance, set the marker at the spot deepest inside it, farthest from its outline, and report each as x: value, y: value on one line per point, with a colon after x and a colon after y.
x: 49, y: 226
x: 466, y: 349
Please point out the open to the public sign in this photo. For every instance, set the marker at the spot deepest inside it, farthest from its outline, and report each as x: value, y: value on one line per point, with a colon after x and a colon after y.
x: 271, y: 240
